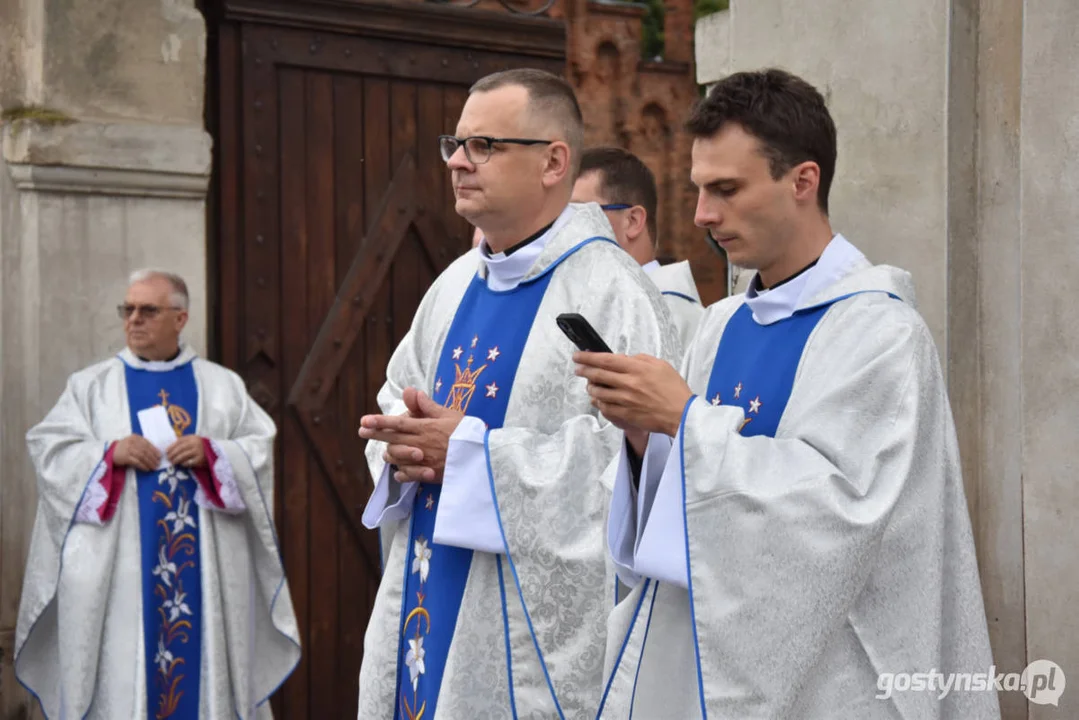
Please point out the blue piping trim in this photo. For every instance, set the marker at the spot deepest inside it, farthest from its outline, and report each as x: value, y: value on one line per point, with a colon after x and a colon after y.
x: 280, y: 585
x: 381, y: 554
x: 844, y: 297
x: 59, y: 573
x: 513, y: 570
x: 401, y: 621
x: 680, y: 295
x: 622, y: 650
x: 506, y: 626
x: 689, y: 566
x: 644, y: 643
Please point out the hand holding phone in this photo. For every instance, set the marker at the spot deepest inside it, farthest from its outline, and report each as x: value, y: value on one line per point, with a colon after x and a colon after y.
x: 581, y: 333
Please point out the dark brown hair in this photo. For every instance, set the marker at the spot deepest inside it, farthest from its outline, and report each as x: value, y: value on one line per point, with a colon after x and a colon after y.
x: 784, y: 112
x: 550, y: 97
x: 624, y: 178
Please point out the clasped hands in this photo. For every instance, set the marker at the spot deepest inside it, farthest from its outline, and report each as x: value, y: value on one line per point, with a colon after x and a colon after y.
x: 417, y: 440
x: 136, y: 451
x: 639, y: 394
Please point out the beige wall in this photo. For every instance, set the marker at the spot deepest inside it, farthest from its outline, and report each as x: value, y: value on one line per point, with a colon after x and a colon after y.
x: 82, y: 204
x: 959, y: 160
x: 1049, y: 351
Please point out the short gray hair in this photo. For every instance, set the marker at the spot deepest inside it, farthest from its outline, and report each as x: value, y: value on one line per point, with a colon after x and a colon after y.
x: 551, y: 98
x: 179, y: 296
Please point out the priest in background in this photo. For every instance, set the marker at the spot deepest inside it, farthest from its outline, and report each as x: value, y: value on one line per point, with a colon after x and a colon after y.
x: 154, y: 587
x: 625, y: 189
x: 792, y: 513
x: 489, y: 460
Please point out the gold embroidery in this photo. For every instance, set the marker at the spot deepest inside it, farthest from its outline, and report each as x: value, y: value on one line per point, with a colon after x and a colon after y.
x: 463, y: 387
x: 179, y: 417
x: 414, y: 658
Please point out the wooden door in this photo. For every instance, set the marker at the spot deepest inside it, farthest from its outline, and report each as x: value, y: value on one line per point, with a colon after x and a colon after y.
x: 333, y: 214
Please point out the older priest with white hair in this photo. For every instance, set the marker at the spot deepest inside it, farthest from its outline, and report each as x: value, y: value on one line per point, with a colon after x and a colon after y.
x: 154, y: 587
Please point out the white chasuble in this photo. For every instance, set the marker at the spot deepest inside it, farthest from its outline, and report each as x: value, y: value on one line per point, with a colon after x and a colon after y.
x: 154, y: 594
x: 806, y: 530
x: 526, y: 496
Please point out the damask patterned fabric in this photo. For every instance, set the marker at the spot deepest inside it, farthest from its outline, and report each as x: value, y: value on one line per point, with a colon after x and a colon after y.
x: 546, y: 464
x: 829, y: 549
x: 78, y: 645
x: 679, y: 290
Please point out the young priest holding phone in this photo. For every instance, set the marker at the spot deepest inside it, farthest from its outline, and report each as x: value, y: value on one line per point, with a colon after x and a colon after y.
x: 798, y: 525
x: 489, y: 458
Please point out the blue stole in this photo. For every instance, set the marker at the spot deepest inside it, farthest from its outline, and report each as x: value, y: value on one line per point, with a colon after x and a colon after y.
x: 169, y: 534
x: 755, y: 366
x: 475, y: 374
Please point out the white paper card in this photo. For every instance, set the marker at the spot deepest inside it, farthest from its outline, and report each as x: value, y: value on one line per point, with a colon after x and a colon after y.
x: 157, y: 428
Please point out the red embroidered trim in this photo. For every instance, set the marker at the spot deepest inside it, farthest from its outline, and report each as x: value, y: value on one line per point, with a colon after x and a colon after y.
x: 113, y: 482
x: 211, y: 486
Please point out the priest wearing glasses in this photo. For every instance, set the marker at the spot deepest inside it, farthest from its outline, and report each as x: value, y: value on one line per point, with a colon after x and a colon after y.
x: 488, y: 457
x: 154, y: 587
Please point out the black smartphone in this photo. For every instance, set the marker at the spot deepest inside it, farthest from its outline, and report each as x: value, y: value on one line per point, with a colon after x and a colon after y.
x: 581, y: 332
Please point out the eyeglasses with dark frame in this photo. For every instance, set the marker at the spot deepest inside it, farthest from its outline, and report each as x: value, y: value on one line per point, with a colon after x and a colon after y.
x: 615, y: 206
x: 478, y: 147
x: 147, y: 311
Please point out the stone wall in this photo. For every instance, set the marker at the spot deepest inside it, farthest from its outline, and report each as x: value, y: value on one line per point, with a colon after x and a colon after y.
x: 1048, y: 353
x: 958, y: 139
x: 104, y: 170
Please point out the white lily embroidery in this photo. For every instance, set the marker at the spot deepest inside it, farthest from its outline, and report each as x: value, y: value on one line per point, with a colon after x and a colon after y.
x: 165, y: 568
x: 421, y: 563
x: 171, y: 475
x: 180, y: 516
x: 177, y: 606
x: 414, y: 660
x: 163, y: 658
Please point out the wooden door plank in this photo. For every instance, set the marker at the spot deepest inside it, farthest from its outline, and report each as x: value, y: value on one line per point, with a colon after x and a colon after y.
x: 404, y: 293
x: 459, y: 229
x: 230, y: 206
x: 376, y: 175
x: 294, y: 526
x: 360, y: 292
x: 354, y: 577
x: 433, y: 200
x: 321, y: 290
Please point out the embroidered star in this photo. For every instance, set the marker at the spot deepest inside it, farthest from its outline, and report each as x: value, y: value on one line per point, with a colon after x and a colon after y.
x: 493, y: 353
x: 475, y: 339
x: 492, y: 390
x: 716, y: 400
x: 438, y: 384
x: 430, y: 505
x: 755, y: 404
x: 738, y: 391
x: 457, y: 352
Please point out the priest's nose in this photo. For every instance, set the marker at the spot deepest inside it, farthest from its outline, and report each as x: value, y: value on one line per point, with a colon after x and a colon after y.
x: 707, y: 214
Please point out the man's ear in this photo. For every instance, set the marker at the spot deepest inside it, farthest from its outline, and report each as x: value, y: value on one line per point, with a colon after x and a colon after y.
x: 181, y: 320
x: 636, y: 222
x: 806, y: 181
x: 558, y: 164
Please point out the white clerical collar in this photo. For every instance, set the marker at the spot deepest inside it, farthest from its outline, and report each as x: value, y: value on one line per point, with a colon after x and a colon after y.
x: 770, y: 306
x: 504, y: 272
x: 650, y: 267
x: 185, y: 356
